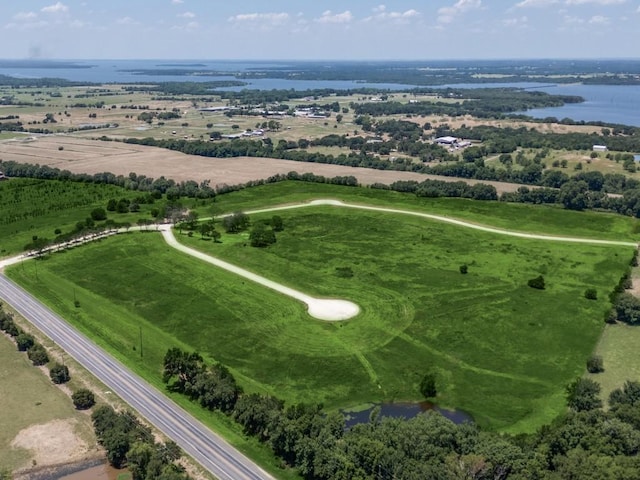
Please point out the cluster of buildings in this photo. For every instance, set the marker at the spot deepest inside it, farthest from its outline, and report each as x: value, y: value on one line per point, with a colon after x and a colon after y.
x: 454, y: 143
x: 258, y: 132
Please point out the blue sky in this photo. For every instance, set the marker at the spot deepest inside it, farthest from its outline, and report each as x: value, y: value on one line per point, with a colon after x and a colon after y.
x: 319, y: 29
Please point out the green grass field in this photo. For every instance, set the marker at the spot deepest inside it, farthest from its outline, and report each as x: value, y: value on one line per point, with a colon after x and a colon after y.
x: 502, y: 351
x: 31, y: 207
x: 551, y: 220
x: 618, y: 347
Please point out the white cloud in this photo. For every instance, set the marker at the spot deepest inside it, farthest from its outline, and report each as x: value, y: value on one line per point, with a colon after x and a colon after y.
x: 599, y: 20
x: 177, y: 2
x: 126, y: 21
x: 448, y: 14
x: 595, y: 2
x: 515, y: 22
x: 187, y: 15
x: 25, y: 16
x: 55, y: 8
x: 330, y: 17
x: 573, y: 20
x: 535, y: 3
x: 26, y: 25
x: 380, y: 13
x: 269, y: 18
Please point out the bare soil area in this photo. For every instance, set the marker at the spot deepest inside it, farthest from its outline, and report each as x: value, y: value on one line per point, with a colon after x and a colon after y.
x: 54, y: 443
x: 80, y: 155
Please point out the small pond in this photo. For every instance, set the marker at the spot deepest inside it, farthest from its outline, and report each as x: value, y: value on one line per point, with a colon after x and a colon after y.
x: 405, y: 410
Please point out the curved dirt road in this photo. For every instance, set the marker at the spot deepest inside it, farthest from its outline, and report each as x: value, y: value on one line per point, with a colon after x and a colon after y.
x: 201, y: 443
x: 453, y: 221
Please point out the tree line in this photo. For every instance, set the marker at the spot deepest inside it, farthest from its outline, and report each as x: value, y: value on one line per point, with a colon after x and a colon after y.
x: 585, y: 443
x: 480, y: 103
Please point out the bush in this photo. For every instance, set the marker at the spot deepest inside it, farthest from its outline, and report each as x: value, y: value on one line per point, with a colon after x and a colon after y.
x: 428, y: 386
x: 537, y: 282
x: 344, y: 272
x: 83, y: 399
x: 591, y: 294
x: 464, y: 269
x: 627, y: 309
x: 595, y: 364
x: 59, y: 374
x: 98, y: 214
x: 236, y: 223
x: 38, y: 355
x: 24, y: 341
x: 261, y: 236
x: 277, y: 224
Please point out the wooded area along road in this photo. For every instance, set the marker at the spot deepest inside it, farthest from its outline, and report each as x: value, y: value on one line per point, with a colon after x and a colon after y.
x: 210, y: 450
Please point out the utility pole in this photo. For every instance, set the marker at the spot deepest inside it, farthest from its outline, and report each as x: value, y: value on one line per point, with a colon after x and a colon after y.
x: 140, y: 327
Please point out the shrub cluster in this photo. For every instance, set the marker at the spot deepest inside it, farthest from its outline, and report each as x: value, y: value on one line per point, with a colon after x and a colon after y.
x: 130, y: 443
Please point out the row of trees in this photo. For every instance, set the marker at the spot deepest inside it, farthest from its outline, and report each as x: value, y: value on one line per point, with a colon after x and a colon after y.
x: 585, y: 443
x: 159, y: 186
x: 129, y: 442
x: 59, y: 373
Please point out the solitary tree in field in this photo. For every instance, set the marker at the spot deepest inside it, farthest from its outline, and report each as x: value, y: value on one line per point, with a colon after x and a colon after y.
x: 428, y: 386
x: 537, y: 282
x: 595, y: 364
x: 261, y: 236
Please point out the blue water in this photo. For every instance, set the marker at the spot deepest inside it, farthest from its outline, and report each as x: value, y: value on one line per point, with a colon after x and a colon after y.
x: 406, y: 411
x: 114, y: 71
x: 605, y: 103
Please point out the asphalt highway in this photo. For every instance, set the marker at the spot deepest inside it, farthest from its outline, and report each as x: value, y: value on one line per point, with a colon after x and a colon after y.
x: 209, y: 449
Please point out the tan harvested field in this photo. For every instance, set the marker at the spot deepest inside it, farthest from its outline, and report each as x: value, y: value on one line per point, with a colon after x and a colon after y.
x: 81, y: 155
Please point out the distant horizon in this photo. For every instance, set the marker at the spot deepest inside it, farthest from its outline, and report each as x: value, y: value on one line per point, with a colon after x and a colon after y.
x: 332, y: 29
x: 319, y: 60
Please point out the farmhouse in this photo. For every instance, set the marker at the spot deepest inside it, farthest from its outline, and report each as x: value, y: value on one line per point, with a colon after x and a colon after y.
x: 3, y: 177
x: 600, y: 148
x: 446, y: 140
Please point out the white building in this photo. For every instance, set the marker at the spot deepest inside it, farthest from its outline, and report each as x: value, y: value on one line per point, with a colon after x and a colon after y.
x: 600, y: 148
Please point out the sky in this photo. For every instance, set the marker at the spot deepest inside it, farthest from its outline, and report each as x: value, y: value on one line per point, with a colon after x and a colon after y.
x: 319, y: 29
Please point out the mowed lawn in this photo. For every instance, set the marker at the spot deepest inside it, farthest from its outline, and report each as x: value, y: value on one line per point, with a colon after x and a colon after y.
x: 501, y: 350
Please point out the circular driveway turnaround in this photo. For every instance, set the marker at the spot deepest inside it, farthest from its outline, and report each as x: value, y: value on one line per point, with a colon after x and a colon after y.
x: 328, y: 309
x: 211, y: 451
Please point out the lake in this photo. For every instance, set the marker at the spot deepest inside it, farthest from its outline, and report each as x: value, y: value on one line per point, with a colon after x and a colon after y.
x: 120, y: 71
x: 405, y: 410
x: 603, y: 103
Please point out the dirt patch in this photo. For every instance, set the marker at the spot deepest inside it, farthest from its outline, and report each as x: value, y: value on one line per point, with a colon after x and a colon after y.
x: 93, y: 156
x: 53, y: 443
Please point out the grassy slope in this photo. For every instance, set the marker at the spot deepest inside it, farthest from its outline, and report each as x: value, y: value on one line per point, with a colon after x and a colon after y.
x: 141, y: 273
x: 539, y: 219
x: 503, y: 351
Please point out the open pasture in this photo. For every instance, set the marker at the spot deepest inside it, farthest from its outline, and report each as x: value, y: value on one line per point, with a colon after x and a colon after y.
x: 501, y: 350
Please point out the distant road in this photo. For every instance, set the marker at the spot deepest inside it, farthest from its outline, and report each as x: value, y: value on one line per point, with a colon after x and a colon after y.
x: 210, y: 450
